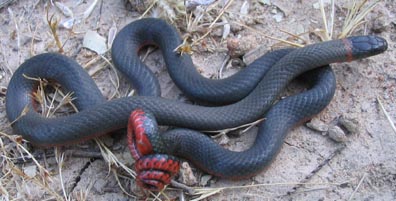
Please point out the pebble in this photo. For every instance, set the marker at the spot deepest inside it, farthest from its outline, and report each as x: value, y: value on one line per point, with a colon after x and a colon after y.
x: 126, y: 157
x: 350, y: 124
x: 187, y: 175
x: 223, y: 140
x: 379, y: 25
x: 30, y: 171
x: 99, y: 185
x: 337, y: 134
x: 237, y: 62
x: 205, y: 180
x: 318, y: 125
x: 239, y: 46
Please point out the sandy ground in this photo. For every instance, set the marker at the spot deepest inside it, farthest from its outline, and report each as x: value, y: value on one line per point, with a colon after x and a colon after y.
x: 360, y: 167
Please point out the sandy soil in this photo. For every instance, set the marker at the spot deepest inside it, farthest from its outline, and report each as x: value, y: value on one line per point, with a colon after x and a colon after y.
x: 311, y: 164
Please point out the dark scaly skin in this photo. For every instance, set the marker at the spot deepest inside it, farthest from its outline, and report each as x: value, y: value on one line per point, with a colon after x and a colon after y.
x: 216, y: 160
x: 180, y: 67
x: 98, y: 118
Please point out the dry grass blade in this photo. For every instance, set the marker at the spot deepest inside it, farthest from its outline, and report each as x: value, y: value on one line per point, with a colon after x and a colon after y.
x: 23, y: 113
x: 53, y: 25
x: 357, y: 187
x: 17, y: 32
x: 267, y: 36
x: 120, y: 185
x: 16, y: 175
x: 89, y: 10
x: 186, y: 47
x: 82, y: 195
x: 59, y: 157
x: 111, y: 159
x: 204, y: 193
x: 245, y: 126
x: 36, y: 181
x: 214, y: 22
x: 148, y: 9
x: 4, y: 3
x: 116, y: 83
x: 328, y: 25
x: 388, y: 117
x: 16, y: 140
x: 356, y: 15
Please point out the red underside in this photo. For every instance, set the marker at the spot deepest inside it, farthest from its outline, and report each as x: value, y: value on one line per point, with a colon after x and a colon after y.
x: 138, y: 142
x: 154, y: 171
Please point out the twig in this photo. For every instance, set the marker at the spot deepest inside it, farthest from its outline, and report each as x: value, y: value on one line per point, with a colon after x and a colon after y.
x: 12, y: 16
x: 357, y: 187
x: 53, y: 25
x: 214, y: 22
x: 324, y: 18
x: 356, y: 16
x: 388, y: 117
x: 183, y: 186
x: 5, y: 3
x: 120, y: 185
x: 267, y: 36
x: 317, y: 169
x: 223, y: 65
x: 227, y: 130
x: 148, y: 9
x: 59, y: 157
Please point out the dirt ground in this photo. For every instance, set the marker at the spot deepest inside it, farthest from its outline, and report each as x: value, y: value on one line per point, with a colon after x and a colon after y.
x: 352, y: 157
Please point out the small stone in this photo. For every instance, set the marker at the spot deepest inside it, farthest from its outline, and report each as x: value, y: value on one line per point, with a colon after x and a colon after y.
x: 365, y: 106
x: 126, y: 157
x: 205, y: 180
x: 278, y: 17
x: 265, y: 2
x: 95, y: 42
x: 337, y: 134
x: 187, y: 175
x: 237, y: 62
x: 350, y: 124
x: 379, y: 25
x: 99, y: 185
x: 239, y: 46
x: 30, y: 171
x: 223, y: 140
x: 318, y: 125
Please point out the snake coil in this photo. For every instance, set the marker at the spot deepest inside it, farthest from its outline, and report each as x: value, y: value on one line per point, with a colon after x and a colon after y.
x: 249, y: 95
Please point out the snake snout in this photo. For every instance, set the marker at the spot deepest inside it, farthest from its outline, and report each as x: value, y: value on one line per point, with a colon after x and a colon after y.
x: 365, y: 46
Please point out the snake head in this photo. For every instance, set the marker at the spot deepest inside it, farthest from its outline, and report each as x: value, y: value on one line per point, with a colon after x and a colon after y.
x: 365, y: 46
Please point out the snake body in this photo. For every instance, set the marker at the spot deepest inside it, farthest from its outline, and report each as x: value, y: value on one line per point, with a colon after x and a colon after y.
x: 97, y: 116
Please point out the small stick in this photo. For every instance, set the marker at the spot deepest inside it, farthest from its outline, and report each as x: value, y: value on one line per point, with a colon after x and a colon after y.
x: 388, y: 117
x: 357, y: 187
